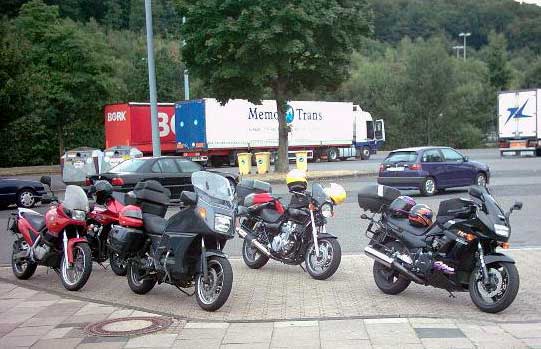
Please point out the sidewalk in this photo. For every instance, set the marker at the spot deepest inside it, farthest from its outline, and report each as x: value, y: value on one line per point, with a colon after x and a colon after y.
x: 38, y: 319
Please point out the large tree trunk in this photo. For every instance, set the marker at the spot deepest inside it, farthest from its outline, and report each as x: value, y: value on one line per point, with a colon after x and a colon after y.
x: 281, y: 164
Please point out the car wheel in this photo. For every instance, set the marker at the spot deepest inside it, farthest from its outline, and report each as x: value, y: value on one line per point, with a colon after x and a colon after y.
x: 26, y: 198
x: 428, y: 187
x: 481, y: 179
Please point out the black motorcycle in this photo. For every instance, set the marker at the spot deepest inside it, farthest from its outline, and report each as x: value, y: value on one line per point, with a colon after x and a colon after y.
x: 186, y: 249
x: 291, y: 235
x: 457, y: 253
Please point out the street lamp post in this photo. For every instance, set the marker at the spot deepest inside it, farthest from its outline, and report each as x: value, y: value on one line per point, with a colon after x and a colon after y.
x: 458, y: 48
x: 186, y: 75
x: 464, y: 35
x: 156, y: 151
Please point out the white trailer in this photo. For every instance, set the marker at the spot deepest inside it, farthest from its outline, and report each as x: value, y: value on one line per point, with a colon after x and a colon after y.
x: 519, y: 124
x: 209, y: 131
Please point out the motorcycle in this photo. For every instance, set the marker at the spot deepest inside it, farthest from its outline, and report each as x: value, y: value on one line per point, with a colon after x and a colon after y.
x: 99, y: 221
x: 184, y: 250
x: 291, y: 235
x: 55, y: 240
x: 458, y: 252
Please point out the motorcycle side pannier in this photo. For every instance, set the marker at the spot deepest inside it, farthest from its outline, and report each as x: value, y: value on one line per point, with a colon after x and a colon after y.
x: 373, y: 197
x: 252, y: 186
x: 125, y: 241
x: 152, y: 197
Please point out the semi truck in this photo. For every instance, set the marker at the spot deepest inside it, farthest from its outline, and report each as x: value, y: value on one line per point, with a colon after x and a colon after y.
x: 128, y: 124
x: 519, y: 124
x: 210, y: 132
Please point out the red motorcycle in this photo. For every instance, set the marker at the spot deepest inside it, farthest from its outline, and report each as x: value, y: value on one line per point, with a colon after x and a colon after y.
x: 100, y: 219
x: 55, y: 240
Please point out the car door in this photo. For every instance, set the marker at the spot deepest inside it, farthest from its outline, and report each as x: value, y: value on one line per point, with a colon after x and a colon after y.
x: 7, y: 192
x: 457, y: 169
x: 171, y: 177
x: 187, y: 167
x: 432, y: 162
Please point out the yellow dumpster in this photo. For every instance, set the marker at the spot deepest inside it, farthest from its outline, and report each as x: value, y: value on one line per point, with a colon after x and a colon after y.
x: 263, y: 162
x: 302, y: 160
x: 245, y: 163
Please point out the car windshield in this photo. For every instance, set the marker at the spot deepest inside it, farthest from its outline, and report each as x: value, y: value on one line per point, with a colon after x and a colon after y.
x: 131, y: 165
x: 401, y: 156
x: 319, y: 194
x: 75, y: 198
x: 213, y: 185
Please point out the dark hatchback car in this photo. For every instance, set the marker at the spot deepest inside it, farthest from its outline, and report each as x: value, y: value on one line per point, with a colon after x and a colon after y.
x: 430, y: 169
x: 172, y: 172
x: 24, y: 193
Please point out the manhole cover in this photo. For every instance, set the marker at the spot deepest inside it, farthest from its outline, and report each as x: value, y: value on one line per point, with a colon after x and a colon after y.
x: 128, y: 326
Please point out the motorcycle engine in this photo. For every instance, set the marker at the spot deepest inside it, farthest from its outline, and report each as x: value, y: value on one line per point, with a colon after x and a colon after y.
x: 40, y: 251
x: 285, y: 242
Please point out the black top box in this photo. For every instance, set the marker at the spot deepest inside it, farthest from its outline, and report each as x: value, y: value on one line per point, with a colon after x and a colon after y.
x: 152, y: 197
x: 374, y: 196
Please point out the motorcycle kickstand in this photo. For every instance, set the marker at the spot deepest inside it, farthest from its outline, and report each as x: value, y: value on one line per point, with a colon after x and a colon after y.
x: 303, y: 269
x: 103, y: 266
x: 451, y: 294
x: 186, y: 293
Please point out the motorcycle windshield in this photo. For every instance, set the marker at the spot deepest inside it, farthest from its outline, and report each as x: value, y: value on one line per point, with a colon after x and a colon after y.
x: 318, y: 193
x: 75, y: 198
x: 212, y: 184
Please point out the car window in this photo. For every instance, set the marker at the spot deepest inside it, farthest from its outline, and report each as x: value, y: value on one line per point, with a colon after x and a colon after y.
x: 132, y: 165
x: 451, y: 155
x: 156, y: 167
x: 187, y: 166
x: 168, y: 166
x: 432, y: 155
x: 401, y: 156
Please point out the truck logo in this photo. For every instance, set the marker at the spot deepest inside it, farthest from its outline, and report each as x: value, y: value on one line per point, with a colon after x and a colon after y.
x: 116, y: 116
x: 517, y: 113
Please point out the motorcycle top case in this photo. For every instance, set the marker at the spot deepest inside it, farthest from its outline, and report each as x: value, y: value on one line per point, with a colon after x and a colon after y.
x: 373, y: 197
x: 152, y: 197
x: 252, y: 186
x: 125, y: 240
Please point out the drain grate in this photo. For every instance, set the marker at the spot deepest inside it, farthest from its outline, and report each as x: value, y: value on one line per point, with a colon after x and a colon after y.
x: 128, y: 326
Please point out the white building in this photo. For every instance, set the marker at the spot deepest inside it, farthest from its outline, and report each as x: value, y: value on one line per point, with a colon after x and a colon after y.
x: 534, y: 2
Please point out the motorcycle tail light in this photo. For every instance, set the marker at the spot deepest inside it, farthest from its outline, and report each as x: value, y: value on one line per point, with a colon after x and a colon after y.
x: 117, y: 181
x: 88, y: 181
x: 505, y: 245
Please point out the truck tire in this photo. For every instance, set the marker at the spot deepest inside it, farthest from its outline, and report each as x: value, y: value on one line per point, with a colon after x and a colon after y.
x: 332, y: 154
x: 365, y: 153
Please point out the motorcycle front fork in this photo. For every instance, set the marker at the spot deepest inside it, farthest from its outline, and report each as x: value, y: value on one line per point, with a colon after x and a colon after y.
x: 483, y: 267
x: 314, y: 234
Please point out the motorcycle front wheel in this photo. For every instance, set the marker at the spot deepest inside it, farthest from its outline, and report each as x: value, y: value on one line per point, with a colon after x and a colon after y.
x: 323, y: 265
x: 213, y: 294
x: 501, y: 290
x: 118, y: 264
x: 75, y: 276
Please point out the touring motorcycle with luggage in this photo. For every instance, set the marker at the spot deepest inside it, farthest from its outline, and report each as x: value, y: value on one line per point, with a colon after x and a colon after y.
x: 456, y: 252
x: 56, y: 240
x: 184, y: 250
x: 100, y: 219
x: 293, y: 234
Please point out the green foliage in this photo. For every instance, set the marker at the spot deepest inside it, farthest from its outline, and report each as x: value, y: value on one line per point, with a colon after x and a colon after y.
x: 496, y: 58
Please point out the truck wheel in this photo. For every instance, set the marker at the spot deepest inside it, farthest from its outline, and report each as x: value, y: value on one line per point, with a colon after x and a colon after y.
x: 365, y: 153
x: 332, y: 154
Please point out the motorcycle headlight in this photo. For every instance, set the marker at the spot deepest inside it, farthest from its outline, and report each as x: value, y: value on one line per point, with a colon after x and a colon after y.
x: 78, y: 215
x: 327, y: 210
x: 501, y: 230
x: 222, y: 223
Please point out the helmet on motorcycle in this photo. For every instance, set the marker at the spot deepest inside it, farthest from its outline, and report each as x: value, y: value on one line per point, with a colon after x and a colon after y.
x: 336, y: 193
x: 421, y: 216
x: 296, y: 180
x: 104, y: 190
x: 401, y: 206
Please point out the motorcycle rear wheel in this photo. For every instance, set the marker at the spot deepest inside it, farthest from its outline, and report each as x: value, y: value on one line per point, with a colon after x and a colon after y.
x: 137, y: 283
x: 118, y: 264
x: 75, y: 277
x: 318, y: 268
x: 252, y: 257
x: 21, y: 270
x: 212, y: 296
x: 507, y: 284
x: 389, y: 281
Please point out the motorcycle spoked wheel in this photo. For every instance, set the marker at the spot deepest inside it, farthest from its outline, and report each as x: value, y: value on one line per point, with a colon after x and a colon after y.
x: 137, y: 281
x: 22, y: 270
x: 502, y: 290
x: 253, y: 258
x: 118, y: 264
x: 326, y: 264
x: 74, y: 277
x: 389, y: 281
x: 213, y: 294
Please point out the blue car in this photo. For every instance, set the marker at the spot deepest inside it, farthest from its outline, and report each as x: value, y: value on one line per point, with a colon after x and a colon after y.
x: 430, y: 169
x: 24, y: 193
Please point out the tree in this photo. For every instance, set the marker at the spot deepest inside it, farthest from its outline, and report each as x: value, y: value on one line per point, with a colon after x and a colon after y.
x: 496, y: 58
x: 252, y: 48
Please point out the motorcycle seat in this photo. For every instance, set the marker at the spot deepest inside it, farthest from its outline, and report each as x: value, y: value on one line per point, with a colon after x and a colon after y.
x: 37, y: 221
x: 154, y: 224
x: 270, y: 215
x: 413, y: 237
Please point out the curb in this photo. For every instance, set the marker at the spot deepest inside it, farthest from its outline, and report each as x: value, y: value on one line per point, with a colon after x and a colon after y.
x: 30, y: 171
x: 275, y: 178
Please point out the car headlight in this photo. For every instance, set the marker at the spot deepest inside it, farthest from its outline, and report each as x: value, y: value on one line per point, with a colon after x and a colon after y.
x: 78, y: 215
x: 222, y: 223
x: 326, y: 210
x: 501, y: 230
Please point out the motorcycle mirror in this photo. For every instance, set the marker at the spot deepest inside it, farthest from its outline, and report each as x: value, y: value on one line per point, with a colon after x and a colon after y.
x: 45, y: 180
x: 517, y: 206
x: 476, y: 192
x: 364, y: 216
x: 466, y: 159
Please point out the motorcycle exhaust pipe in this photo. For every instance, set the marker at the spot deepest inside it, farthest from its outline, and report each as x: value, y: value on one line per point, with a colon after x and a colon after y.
x: 391, y: 263
x: 246, y: 235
